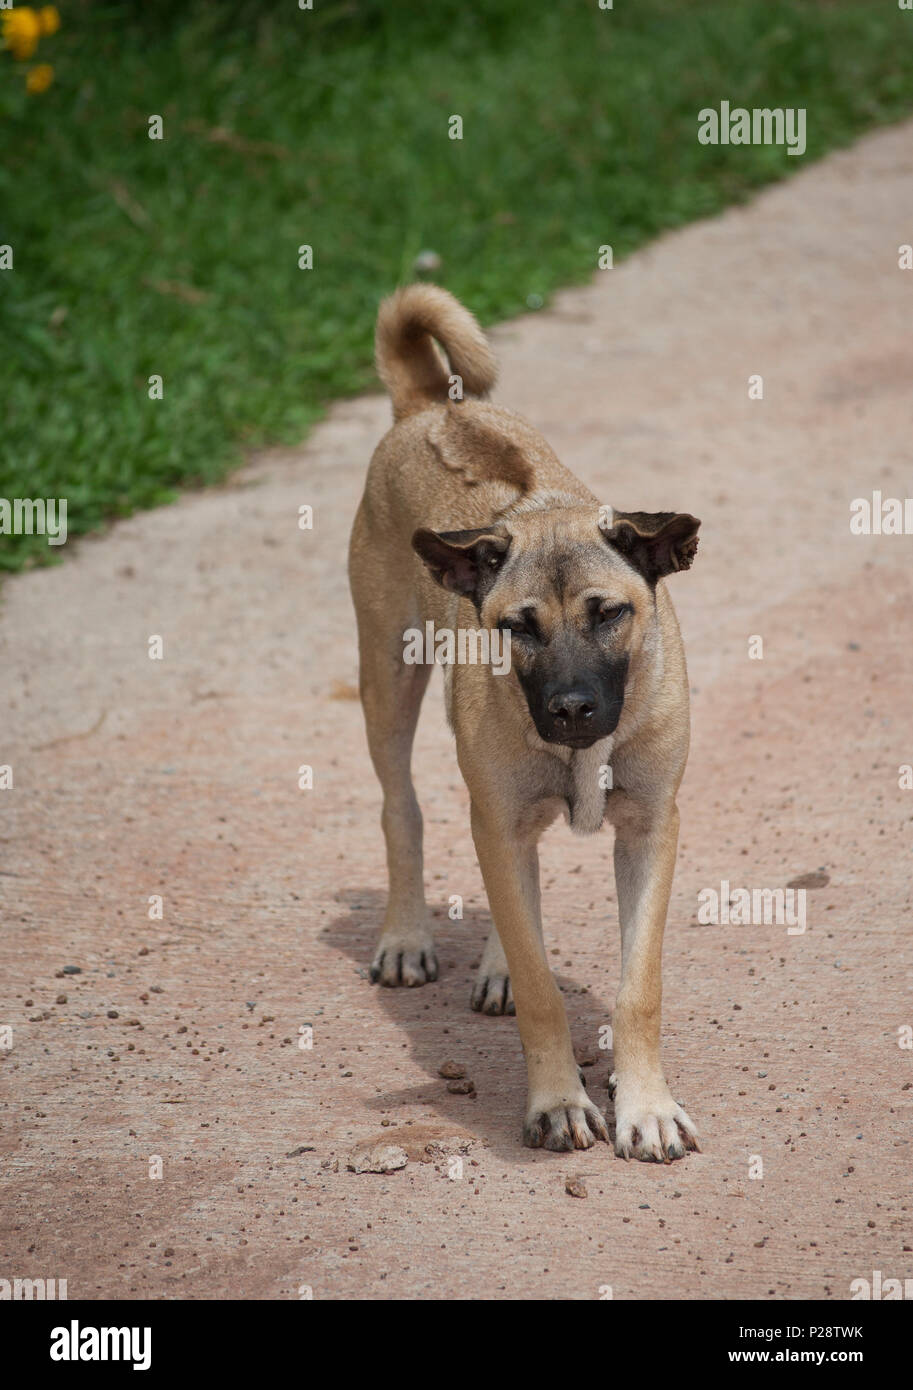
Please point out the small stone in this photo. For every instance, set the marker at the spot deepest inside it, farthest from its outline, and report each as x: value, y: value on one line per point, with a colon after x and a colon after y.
x: 426, y: 262
x: 451, y: 1071
x: 377, y: 1158
x: 817, y: 879
x: 575, y: 1187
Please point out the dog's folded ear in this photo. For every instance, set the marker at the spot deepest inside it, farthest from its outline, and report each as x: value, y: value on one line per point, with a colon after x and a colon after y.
x: 656, y: 543
x: 465, y: 562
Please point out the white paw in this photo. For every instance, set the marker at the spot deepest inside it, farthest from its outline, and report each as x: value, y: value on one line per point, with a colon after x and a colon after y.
x: 407, y: 959
x: 565, y: 1123
x: 650, y: 1125
x: 492, y: 994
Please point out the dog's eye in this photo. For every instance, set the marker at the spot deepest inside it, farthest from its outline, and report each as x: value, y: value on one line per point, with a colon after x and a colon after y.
x: 611, y: 613
x: 518, y: 627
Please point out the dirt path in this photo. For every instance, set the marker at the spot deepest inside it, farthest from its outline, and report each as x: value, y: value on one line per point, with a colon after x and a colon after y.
x: 136, y: 777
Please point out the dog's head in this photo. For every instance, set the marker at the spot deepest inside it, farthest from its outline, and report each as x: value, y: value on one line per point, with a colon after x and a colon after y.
x: 578, y: 599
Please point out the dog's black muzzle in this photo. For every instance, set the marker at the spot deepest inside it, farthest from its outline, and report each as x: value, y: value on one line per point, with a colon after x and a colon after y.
x: 577, y: 716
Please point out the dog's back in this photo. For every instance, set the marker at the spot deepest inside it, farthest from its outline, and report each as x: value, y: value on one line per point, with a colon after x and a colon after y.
x: 451, y: 459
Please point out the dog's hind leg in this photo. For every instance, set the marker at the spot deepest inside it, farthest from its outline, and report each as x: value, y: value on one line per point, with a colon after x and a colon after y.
x: 492, y: 992
x: 391, y: 695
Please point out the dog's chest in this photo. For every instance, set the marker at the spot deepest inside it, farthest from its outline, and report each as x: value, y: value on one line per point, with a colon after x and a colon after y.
x: 589, y: 783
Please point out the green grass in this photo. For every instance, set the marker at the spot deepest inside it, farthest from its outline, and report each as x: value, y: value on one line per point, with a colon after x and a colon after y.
x: 136, y: 257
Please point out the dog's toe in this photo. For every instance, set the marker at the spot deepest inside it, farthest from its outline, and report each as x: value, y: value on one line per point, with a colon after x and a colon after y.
x: 564, y: 1127
x: 401, y: 965
x: 492, y: 994
x: 653, y: 1129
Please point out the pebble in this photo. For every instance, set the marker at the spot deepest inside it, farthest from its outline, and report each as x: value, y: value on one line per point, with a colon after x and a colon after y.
x: 377, y: 1158
x: 426, y: 262
x: 816, y: 879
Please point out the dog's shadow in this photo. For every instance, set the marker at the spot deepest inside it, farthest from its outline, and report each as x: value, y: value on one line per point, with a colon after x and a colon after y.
x: 439, y: 1025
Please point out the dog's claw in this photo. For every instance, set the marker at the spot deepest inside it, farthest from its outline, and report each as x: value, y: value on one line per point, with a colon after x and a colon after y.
x: 565, y: 1127
x: 657, y: 1131
x: 396, y: 966
x: 492, y: 994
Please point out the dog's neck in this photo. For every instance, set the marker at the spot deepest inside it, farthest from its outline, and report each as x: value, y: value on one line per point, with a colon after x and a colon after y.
x: 587, y: 773
x: 588, y: 769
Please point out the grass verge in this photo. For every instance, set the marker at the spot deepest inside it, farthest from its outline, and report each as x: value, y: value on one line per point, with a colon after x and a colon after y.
x: 179, y: 257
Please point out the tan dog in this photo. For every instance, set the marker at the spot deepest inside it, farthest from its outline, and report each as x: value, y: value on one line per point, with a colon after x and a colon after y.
x: 468, y: 520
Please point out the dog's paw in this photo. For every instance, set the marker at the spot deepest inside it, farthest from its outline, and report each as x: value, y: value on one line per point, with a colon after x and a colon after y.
x: 651, y: 1126
x: 567, y: 1125
x: 404, y: 963
x: 492, y: 994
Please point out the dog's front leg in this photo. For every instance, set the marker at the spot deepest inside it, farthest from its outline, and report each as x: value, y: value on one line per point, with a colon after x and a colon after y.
x: 648, y: 1122
x: 559, y: 1113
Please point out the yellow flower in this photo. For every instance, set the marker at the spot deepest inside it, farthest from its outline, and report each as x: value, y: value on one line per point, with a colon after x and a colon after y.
x: 21, y: 31
x: 49, y: 19
x: 39, y: 78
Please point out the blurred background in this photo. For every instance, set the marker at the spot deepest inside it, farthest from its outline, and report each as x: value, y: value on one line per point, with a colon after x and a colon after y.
x: 328, y: 127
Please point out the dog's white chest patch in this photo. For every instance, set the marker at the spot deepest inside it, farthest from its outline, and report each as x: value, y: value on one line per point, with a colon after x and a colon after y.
x: 591, y: 771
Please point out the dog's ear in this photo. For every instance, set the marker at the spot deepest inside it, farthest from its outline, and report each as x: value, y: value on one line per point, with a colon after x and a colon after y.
x: 656, y: 543
x: 465, y: 562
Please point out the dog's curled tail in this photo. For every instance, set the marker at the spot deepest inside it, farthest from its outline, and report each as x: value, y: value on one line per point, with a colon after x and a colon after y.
x: 407, y: 362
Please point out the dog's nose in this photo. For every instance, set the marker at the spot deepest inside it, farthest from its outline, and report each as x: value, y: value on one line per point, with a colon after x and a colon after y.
x: 572, y: 707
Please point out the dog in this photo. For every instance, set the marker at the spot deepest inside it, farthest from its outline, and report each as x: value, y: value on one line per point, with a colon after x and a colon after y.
x: 469, y: 519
